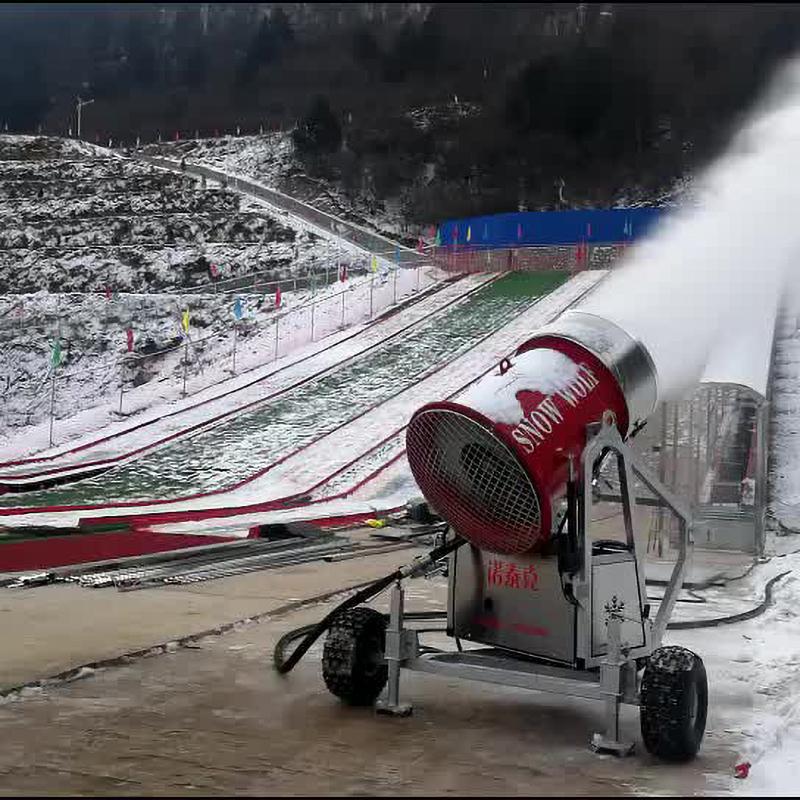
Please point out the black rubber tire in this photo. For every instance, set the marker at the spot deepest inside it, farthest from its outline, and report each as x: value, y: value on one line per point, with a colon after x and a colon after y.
x: 673, y: 704
x: 353, y: 658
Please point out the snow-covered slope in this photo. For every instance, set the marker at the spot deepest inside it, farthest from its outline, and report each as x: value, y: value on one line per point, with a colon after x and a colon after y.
x: 80, y: 222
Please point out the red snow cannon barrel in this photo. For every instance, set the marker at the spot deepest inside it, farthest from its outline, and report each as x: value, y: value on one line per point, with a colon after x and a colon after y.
x: 494, y: 463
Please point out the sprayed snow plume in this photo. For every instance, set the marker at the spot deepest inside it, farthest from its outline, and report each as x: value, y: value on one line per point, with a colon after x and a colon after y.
x: 684, y: 291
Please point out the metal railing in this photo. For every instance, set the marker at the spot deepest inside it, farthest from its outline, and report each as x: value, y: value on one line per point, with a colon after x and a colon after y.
x: 287, y: 328
x: 710, y: 449
x: 370, y: 241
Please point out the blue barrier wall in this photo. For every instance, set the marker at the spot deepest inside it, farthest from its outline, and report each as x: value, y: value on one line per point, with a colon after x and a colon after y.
x: 532, y: 228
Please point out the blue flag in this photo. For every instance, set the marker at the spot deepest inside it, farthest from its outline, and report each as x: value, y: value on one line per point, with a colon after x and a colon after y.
x: 237, y: 308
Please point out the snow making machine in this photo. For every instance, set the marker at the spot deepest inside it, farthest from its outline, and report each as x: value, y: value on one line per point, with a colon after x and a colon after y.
x: 542, y: 602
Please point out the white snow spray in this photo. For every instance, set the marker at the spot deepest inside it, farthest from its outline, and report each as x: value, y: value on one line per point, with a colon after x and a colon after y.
x: 684, y: 291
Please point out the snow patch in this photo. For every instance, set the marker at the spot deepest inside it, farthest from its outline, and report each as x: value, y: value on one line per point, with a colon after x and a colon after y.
x: 540, y: 370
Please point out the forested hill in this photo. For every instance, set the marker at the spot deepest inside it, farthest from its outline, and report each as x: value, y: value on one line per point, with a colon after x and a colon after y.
x: 463, y: 107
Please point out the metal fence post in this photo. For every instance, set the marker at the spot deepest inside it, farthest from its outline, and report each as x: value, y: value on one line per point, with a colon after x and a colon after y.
x: 313, y: 306
x: 121, y: 384
x: 185, y: 361
x: 371, y: 290
x: 674, y: 446
x: 277, y: 320
x: 343, y: 309
x: 235, y: 331
x: 396, y: 269
x: 52, y: 403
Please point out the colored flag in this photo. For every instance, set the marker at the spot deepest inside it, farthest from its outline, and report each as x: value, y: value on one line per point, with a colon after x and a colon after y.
x: 420, y: 245
x: 343, y: 272
x: 397, y: 254
x: 108, y: 293
x: 469, y: 232
x: 185, y: 321
x: 237, y: 308
x: 55, y: 355
x: 129, y: 334
x: 438, y: 240
x: 278, y: 296
x: 374, y: 264
x: 214, y: 270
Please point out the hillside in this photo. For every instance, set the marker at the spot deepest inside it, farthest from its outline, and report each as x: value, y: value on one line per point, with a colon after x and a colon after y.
x: 94, y: 245
x: 434, y: 110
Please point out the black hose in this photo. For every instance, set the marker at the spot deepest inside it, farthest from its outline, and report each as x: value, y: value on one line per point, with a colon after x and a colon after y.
x: 730, y: 619
x: 284, y: 665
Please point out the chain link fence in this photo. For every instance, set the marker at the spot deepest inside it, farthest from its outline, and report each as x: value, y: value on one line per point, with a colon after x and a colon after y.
x: 195, y: 360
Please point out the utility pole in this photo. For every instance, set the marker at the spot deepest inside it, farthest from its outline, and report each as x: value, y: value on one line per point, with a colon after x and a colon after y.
x: 79, y: 105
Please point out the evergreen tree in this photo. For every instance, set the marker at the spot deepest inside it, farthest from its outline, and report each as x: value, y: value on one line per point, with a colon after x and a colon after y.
x: 319, y: 131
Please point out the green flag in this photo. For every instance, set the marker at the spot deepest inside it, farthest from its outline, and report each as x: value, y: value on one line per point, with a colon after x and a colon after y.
x: 55, y: 355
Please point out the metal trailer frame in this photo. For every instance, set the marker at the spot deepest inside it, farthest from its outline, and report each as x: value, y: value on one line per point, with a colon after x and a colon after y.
x: 613, y: 677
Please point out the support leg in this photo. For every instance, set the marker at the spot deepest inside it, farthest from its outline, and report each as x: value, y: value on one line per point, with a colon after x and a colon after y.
x: 394, y: 657
x: 611, y: 673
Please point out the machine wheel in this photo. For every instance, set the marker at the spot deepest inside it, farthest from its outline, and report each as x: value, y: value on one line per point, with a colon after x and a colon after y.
x: 673, y: 704
x: 353, y: 659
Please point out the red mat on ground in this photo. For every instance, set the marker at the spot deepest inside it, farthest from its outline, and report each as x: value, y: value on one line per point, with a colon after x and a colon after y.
x: 58, y: 551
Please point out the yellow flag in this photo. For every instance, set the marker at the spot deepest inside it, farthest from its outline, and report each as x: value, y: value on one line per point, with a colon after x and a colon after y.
x: 185, y: 321
x: 374, y: 264
x: 469, y: 233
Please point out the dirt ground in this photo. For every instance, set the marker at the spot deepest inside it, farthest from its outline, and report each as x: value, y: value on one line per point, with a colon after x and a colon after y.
x: 214, y: 718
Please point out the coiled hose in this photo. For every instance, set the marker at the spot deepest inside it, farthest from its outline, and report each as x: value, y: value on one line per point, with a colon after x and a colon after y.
x: 283, y: 665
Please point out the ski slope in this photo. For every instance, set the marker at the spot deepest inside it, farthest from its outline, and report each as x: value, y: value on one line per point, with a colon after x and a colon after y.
x: 331, y: 437
x: 120, y: 446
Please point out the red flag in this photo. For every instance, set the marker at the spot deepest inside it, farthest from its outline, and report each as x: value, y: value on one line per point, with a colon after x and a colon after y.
x: 420, y: 245
x: 343, y: 272
x: 108, y: 292
x: 214, y: 270
x: 278, y: 296
x: 129, y: 334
